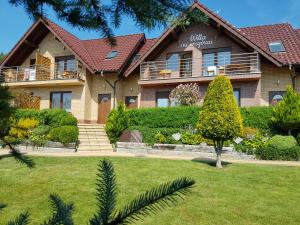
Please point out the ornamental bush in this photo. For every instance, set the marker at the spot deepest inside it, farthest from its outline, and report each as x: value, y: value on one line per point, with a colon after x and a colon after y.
x: 22, y: 128
x: 220, y: 119
x: 185, y: 94
x: 64, y: 134
x: 286, y: 114
x: 279, y: 148
x: 50, y: 117
x: 117, y: 122
x: 68, y: 120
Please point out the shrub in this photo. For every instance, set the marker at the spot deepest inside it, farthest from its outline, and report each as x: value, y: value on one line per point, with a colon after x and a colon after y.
x: 64, y: 134
x: 116, y: 123
x: 249, y: 132
x: 279, y: 148
x: 171, y: 117
x: 50, y: 117
x: 251, y: 143
x: 272, y: 153
x: 149, y: 134
x: 286, y: 115
x: 54, y: 134
x: 22, y: 129
x: 191, y: 139
x: 186, y: 94
x: 69, y: 120
x: 160, y: 138
x: 257, y: 117
x: 298, y: 139
x: 41, y: 130
x: 282, y: 142
x: 220, y: 117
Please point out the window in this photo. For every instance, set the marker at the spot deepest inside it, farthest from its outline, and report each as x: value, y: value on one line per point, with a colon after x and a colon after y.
x: 131, y: 101
x: 275, y: 97
x: 61, y: 100
x: 237, y: 95
x: 173, y: 62
x: 181, y: 62
x: 65, y: 64
x: 214, y: 60
x: 276, y: 47
x: 162, y: 99
x: 112, y: 54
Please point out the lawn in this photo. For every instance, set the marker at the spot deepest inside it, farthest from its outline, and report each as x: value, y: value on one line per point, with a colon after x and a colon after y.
x: 238, y: 194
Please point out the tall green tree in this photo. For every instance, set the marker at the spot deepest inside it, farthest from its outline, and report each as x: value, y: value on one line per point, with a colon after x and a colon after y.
x: 2, y: 56
x: 220, y: 117
x: 103, y: 16
x: 286, y: 114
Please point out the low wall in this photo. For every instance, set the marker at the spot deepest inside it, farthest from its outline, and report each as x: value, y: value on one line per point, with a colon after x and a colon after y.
x: 203, y: 151
x: 49, y: 147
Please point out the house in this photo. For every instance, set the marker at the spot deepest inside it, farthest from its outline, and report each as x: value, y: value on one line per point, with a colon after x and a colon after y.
x: 89, y: 77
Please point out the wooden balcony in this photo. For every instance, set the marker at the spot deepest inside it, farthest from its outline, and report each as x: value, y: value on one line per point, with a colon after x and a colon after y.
x: 41, y: 76
x: 238, y: 67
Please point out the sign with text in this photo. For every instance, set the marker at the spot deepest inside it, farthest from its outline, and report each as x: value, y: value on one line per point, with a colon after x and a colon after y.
x: 197, y: 40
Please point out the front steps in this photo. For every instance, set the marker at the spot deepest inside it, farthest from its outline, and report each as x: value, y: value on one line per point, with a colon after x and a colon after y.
x: 92, y: 137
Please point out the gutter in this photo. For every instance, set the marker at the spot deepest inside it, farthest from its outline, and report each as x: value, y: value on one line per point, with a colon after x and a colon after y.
x: 112, y: 85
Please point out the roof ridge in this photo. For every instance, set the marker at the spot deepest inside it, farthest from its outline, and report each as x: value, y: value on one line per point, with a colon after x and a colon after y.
x: 125, y: 35
x: 266, y: 25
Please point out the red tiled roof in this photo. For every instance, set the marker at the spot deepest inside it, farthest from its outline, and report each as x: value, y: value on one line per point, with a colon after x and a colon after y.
x: 290, y: 38
x: 72, y: 42
x: 143, y: 49
x: 93, y: 52
x: 99, y: 48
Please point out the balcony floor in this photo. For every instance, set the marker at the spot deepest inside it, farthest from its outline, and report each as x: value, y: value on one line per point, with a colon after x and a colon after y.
x: 199, y: 79
x: 46, y: 83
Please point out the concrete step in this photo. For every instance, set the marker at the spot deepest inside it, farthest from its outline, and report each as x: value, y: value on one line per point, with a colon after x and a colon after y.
x: 89, y: 148
x: 94, y: 142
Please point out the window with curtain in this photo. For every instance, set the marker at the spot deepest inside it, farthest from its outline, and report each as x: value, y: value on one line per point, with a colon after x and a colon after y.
x: 61, y: 100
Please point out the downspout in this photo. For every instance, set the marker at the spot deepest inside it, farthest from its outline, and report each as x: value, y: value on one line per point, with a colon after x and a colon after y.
x: 293, y: 76
x: 112, y: 85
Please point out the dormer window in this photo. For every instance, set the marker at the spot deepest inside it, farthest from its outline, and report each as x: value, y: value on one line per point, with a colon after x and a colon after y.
x: 276, y: 47
x: 112, y: 54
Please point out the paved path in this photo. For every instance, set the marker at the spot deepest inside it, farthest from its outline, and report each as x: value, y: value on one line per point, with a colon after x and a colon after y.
x: 117, y: 154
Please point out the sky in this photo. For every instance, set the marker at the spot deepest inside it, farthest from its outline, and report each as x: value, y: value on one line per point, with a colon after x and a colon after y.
x: 241, y: 13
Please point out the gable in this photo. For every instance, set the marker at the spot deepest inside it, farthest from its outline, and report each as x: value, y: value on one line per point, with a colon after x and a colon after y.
x: 220, y: 24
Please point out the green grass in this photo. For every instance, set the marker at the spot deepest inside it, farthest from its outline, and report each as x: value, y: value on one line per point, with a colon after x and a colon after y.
x: 238, y: 194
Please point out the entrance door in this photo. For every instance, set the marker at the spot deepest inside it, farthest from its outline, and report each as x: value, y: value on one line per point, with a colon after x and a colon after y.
x: 104, y: 106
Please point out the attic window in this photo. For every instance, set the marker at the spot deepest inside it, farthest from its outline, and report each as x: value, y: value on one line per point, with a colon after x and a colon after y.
x: 112, y: 54
x: 276, y: 47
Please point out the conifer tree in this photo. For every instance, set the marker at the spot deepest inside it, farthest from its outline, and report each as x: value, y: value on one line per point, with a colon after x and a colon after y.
x: 220, y: 117
x: 286, y: 114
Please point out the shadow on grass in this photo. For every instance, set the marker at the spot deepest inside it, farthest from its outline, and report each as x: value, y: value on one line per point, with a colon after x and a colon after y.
x: 210, y: 162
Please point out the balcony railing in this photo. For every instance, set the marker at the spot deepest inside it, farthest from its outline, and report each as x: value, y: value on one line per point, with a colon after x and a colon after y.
x: 40, y: 73
x: 234, y: 64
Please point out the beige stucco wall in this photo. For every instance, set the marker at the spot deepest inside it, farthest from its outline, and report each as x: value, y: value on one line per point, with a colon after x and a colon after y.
x: 51, y: 47
x: 273, y: 79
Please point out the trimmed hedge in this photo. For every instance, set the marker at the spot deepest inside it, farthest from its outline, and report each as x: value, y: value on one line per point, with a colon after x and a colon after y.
x: 257, y: 117
x: 171, y: 117
x: 183, y: 117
